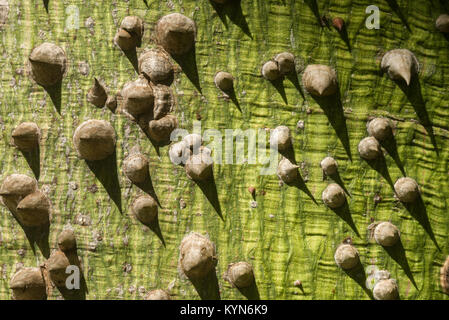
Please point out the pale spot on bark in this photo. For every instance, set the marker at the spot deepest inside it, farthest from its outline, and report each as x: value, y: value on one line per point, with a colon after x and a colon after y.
x: 4, y: 10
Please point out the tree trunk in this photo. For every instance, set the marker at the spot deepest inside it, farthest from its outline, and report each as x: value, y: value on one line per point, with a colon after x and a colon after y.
x: 282, y: 232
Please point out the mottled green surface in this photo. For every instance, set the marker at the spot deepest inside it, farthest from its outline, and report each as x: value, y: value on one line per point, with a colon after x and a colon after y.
x: 287, y: 237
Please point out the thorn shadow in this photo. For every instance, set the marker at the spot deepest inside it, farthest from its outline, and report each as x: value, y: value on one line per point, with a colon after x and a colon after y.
x: 344, y: 36
x: 446, y: 36
x: 209, y: 189
x: 289, y: 154
x: 444, y: 4
x: 337, y: 178
x: 253, y: 196
x: 333, y: 109
x: 293, y: 77
x: 359, y: 276
x: 187, y: 62
x: 207, y: 287
x: 146, y: 3
x: 220, y: 12
x: 418, y: 211
x: 231, y: 94
x: 55, y: 93
x: 75, y: 294
x: 251, y: 292
x: 396, y: 9
x: 344, y: 213
x: 380, y: 165
x: 132, y: 57
x: 279, y: 85
x: 155, y: 227
x: 33, y: 160
x: 414, y: 95
x: 301, y: 185
x: 46, y: 5
x: 143, y: 124
x: 397, y: 253
x: 38, y: 235
x: 391, y: 147
x: 106, y: 172
x: 147, y: 187
x: 233, y: 10
x: 314, y: 7
x: 157, y: 145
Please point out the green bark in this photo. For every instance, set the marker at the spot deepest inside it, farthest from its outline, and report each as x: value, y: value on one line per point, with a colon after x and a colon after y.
x: 287, y: 237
